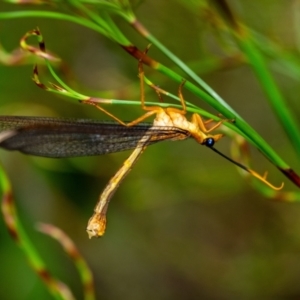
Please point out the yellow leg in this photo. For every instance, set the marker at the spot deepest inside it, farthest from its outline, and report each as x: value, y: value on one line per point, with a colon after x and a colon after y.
x: 151, y: 110
x: 183, y: 111
x: 172, y: 109
x: 142, y: 89
x: 196, y: 119
x: 208, y: 121
x: 132, y: 123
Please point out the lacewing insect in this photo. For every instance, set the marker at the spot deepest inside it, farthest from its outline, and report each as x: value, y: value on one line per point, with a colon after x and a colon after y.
x: 57, y: 138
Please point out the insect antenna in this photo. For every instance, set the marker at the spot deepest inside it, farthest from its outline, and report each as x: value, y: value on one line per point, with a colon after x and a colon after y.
x: 252, y: 172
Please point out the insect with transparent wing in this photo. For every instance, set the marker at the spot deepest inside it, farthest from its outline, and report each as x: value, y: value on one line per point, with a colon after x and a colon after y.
x: 56, y: 137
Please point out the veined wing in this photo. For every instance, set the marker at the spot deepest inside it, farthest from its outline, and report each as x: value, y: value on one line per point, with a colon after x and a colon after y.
x: 56, y: 137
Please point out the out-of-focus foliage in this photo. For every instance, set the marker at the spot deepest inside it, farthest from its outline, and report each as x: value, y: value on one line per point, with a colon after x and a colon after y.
x: 184, y: 224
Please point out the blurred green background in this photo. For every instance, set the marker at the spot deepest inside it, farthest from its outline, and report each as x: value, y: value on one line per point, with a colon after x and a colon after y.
x: 184, y: 224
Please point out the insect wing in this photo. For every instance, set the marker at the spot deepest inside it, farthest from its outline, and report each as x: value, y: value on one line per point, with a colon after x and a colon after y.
x: 55, y: 137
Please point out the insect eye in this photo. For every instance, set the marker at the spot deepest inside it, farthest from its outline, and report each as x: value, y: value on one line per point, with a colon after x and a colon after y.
x: 209, y: 142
